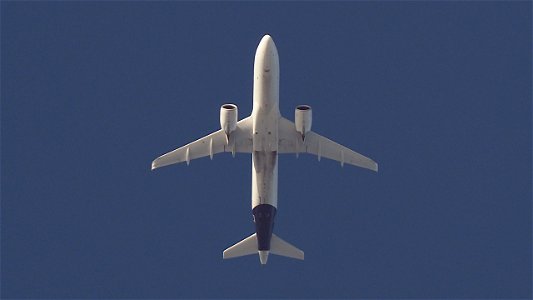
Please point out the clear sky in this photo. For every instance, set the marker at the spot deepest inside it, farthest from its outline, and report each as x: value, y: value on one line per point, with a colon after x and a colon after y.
x: 439, y: 94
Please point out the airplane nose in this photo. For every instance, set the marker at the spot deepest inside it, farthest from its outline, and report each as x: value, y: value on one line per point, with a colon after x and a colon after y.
x: 267, y: 40
x: 267, y: 44
x: 269, y: 53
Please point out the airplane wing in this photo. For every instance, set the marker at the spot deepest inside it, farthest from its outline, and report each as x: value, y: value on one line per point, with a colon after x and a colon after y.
x: 290, y: 141
x: 240, y: 141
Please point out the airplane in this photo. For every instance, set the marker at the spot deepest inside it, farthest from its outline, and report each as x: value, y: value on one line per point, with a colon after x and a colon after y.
x: 265, y: 134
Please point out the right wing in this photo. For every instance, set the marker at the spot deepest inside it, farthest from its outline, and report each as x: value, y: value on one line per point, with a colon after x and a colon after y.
x: 290, y: 141
x: 240, y: 140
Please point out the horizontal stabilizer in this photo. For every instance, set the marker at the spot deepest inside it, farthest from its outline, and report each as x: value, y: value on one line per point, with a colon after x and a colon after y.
x: 245, y: 247
x: 280, y: 247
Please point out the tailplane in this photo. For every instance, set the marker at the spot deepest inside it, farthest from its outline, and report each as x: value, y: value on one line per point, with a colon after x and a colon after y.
x: 248, y: 246
x: 245, y: 247
x: 280, y: 247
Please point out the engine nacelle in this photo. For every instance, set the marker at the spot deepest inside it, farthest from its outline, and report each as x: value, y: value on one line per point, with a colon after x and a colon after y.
x: 303, y: 118
x: 228, y: 118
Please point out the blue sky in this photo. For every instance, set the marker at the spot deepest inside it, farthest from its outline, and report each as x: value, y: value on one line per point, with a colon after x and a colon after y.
x: 438, y: 93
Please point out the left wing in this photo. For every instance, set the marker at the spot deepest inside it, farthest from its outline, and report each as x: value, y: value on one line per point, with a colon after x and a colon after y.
x: 240, y: 140
x: 290, y: 141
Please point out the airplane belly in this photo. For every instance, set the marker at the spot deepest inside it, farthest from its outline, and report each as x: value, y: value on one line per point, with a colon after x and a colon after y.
x: 264, y: 178
x: 265, y: 137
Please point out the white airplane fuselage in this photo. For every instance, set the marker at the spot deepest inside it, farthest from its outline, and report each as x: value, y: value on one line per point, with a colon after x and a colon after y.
x: 264, y: 134
x: 265, y: 116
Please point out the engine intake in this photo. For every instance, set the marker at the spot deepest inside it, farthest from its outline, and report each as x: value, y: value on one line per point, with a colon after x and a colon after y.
x: 228, y: 117
x: 303, y: 118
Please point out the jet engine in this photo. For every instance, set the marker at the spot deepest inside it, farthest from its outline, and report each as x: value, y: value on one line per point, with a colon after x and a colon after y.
x: 228, y: 118
x: 303, y: 117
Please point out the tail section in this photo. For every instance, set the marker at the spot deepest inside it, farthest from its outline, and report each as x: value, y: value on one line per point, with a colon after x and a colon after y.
x: 280, y: 247
x: 249, y: 246
x: 263, y: 256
